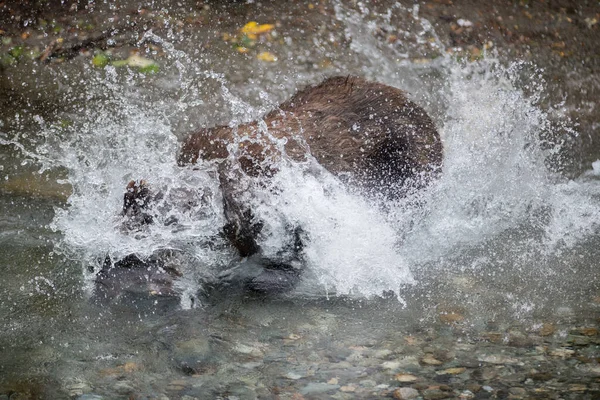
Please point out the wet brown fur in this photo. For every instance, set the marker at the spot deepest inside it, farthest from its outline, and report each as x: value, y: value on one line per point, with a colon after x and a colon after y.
x: 367, y: 130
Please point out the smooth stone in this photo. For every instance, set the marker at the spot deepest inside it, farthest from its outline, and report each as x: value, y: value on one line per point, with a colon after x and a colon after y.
x: 405, y: 393
x: 248, y: 350
x: 87, y: 396
x: 451, y: 318
x: 577, y: 387
x: 293, y: 375
x: 473, y: 387
x: 500, y: 360
x: 405, y: 378
x: 368, y: 383
x: 318, y: 387
x: 588, y: 331
x: 391, y: 365
x: 192, y: 355
x: 467, y: 394
x: 430, y: 360
x: 124, y: 387
x: 517, y: 392
x: 383, y: 353
x: 452, y: 371
x: 78, y: 388
x: 435, y: 394
x: 547, y: 330
x: 562, y: 352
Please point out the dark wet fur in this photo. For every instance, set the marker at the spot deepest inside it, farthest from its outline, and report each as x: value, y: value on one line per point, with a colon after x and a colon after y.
x: 366, y: 132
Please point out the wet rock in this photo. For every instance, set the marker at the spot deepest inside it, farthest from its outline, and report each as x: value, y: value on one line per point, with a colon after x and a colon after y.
x: 517, y: 393
x: 540, y: 376
x: 368, y: 383
x: 494, y: 337
x: 318, y: 388
x: 588, y: 331
x: 405, y: 393
x: 348, y: 388
x: 500, y: 360
x: 78, y: 388
x: 451, y: 371
x: 473, y: 387
x: 420, y: 386
x: 391, y: 365
x: 382, y: 353
x: 177, y: 385
x: 124, y: 388
x: 486, y: 373
x: 435, y: 394
x: 547, y: 330
x: 451, y: 317
x: 87, y: 396
x: 577, y: 387
x: 295, y: 375
x: 467, y: 394
x: 253, y: 351
x: 578, y: 340
x: 429, y: 359
x: 405, y: 378
x: 192, y: 356
x: 562, y: 352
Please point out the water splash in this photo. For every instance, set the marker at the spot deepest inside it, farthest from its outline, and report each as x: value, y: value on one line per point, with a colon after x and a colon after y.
x: 494, y: 181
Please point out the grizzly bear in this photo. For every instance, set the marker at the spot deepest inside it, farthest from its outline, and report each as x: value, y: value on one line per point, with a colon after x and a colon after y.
x: 367, y: 133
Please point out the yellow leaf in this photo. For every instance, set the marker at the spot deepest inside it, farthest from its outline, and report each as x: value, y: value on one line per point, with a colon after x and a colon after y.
x: 253, y: 28
x: 266, y: 56
x: 243, y: 50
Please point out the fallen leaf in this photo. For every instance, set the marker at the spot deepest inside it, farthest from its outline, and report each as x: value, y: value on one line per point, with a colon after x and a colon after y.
x: 253, y: 28
x: 266, y: 56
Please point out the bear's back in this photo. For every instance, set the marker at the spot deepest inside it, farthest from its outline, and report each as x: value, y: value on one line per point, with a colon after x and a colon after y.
x: 366, y: 129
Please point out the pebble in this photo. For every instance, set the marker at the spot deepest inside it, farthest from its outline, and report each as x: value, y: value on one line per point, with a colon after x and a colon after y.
x: 500, y: 360
x: 124, y: 387
x: 317, y: 388
x: 452, y: 371
x: 467, y: 394
x: 434, y: 394
x: 391, y: 365
x: 294, y: 375
x: 547, y: 330
x: 451, y: 317
x: 405, y: 378
x: 248, y: 350
x: 517, y: 392
x: 562, y: 352
x: 430, y: 360
x: 78, y: 388
x: 382, y: 353
x: 577, y: 387
x: 405, y: 393
x: 368, y: 383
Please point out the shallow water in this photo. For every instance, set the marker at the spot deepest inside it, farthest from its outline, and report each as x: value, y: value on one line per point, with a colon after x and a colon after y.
x: 485, y: 283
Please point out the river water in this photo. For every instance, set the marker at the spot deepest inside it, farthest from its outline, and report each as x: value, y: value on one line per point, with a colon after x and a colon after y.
x: 483, y: 285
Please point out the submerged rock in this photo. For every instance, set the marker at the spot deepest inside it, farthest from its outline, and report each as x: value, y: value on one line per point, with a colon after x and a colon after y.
x: 405, y: 393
